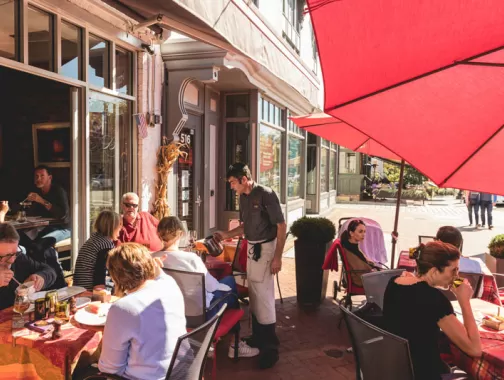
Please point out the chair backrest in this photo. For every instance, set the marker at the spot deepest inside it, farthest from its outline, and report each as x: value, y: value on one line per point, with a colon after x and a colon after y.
x: 375, y: 284
x: 378, y: 354
x: 235, y: 266
x: 189, y: 358
x: 476, y: 281
x: 423, y: 239
x: 192, y: 285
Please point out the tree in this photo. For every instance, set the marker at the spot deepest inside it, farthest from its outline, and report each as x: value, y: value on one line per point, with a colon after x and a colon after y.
x: 411, y: 175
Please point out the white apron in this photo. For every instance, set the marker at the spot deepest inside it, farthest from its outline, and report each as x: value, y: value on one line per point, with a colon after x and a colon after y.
x: 261, y: 283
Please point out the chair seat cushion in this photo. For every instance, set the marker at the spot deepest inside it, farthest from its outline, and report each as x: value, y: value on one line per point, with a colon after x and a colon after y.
x: 229, y: 319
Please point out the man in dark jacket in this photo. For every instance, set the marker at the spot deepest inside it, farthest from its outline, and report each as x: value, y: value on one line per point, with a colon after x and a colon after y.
x: 15, y: 264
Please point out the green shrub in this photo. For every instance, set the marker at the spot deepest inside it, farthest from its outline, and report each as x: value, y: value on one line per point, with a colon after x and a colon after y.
x: 319, y: 230
x: 496, y: 246
x: 450, y: 192
x: 414, y: 194
x: 441, y: 192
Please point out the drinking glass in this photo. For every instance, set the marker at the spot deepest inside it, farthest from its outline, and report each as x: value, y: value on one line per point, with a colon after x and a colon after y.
x: 21, y: 302
x: 192, y: 237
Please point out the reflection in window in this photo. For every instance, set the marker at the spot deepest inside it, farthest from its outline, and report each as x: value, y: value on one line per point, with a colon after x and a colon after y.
x: 8, y: 35
x: 110, y: 153
x: 311, y: 170
x: 294, y: 167
x: 324, y: 154
x: 347, y: 163
x: 71, y: 53
x: 237, y: 150
x: 98, y: 61
x: 270, y: 148
x: 123, y: 71
x: 237, y: 105
x: 332, y: 171
x: 39, y: 39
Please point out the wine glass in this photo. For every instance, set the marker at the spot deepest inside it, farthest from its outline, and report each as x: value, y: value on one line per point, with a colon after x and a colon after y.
x: 21, y: 302
x: 192, y: 237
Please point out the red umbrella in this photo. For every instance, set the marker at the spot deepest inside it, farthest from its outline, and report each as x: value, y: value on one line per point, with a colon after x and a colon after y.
x: 424, y: 78
x: 340, y: 133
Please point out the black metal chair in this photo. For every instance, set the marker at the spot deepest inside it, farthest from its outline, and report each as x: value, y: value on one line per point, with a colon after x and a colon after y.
x: 476, y: 281
x: 378, y: 354
x: 375, y: 284
x: 424, y: 239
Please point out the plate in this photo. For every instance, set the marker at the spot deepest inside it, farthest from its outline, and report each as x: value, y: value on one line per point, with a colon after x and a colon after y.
x: 63, y: 293
x: 84, y: 317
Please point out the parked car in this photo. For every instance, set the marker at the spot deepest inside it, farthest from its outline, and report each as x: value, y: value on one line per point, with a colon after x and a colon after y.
x: 99, y: 182
x: 500, y: 201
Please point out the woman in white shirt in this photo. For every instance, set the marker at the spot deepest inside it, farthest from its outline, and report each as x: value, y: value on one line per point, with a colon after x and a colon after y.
x: 143, y: 326
x: 170, y: 231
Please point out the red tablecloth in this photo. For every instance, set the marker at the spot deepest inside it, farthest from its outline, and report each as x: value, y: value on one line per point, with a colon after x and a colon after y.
x: 490, y: 291
x: 37, y: 357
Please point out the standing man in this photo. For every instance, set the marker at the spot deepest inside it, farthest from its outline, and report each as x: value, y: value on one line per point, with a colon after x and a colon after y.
x: 264, y: 227
x: 473, y: 203
x: 487, y: 201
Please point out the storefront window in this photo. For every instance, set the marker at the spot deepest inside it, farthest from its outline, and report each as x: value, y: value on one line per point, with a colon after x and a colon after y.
x: 8, y: 30
x: 324, y: 154
x: 332, y: 170
x: 270, y: 148
x: 311, y: 170
x: 71, y: 55
x: 294, y: 167
x: 123, y: 71
x: 237, y: 150
x: 39, y: 39
x: 347, y: 163
x: 98, y: 61
x: 110, y: 152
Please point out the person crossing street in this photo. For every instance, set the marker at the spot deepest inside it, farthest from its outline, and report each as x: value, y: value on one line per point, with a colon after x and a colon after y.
x: 264, y: 226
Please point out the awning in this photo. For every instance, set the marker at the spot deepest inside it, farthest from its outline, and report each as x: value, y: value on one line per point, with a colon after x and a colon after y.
x: 425, y: 78
x: 340, y: 133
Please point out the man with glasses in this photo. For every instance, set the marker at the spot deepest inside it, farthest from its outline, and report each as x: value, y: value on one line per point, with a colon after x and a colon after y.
x: 138, y: 226
x: 16, y: 265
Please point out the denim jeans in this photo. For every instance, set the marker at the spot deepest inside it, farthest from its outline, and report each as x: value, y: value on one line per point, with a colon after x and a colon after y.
x: 488, y: 207
x: 54, y: 232
x: 470, y: 209
x: 232, y: 301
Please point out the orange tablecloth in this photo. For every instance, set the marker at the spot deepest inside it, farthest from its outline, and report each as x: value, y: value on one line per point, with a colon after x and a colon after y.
x: 38, y: 357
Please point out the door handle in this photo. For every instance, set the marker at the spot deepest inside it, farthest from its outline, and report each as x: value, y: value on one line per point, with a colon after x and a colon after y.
x: 198, y: 201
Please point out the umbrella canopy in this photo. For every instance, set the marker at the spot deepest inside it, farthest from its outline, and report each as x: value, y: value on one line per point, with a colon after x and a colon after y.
x: 340, y: 133
x: 424, y: 78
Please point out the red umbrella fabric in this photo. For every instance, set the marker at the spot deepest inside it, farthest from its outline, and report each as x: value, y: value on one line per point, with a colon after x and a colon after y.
x: 340, y: 133
x: 424, y: 78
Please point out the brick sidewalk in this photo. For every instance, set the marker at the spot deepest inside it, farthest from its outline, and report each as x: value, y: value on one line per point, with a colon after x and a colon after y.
x: 311, y: 345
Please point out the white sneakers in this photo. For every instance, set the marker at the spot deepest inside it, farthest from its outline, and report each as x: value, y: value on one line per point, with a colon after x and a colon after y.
x: 244, y: 351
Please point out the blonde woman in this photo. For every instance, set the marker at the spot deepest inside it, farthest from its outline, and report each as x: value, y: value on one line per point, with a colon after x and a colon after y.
x: 170, y: 231
x: 143, y: 326
x: 90, y: 266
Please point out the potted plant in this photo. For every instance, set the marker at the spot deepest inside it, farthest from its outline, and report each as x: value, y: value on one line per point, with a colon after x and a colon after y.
x: 495, y: 258
x: 313, y: 239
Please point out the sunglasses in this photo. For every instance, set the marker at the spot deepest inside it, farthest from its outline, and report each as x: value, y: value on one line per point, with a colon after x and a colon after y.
x: 8, y: 256
x: 129, y: 205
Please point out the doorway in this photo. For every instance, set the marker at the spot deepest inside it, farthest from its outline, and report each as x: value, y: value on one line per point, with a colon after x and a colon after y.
x: 190, y: 176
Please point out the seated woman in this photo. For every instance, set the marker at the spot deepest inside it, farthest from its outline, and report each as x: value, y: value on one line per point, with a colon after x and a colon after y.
x: 90, y: 268
x: 357, y: 260
x: 170, y: 231
x: 452, y: 235
x: 138, y: 226
x: 415, y: 310
x: 143, y: 326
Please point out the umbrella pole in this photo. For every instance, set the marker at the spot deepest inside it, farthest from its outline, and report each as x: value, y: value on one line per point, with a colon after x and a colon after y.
x: 395, y: 234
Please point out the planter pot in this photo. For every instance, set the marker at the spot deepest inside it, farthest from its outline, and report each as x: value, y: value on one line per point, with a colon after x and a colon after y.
x: 495, y: 266
x: 311, y: 280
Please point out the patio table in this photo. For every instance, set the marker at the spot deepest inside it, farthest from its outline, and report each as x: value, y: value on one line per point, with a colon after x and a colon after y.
x: 489, y: 290
x: 490, y: 366
x: 25, y: 354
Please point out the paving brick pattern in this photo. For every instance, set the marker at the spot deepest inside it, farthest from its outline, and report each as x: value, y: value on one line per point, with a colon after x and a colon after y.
x: 306, y: 336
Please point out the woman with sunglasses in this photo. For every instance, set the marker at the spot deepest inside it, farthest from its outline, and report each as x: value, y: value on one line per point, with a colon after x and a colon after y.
x: 138, y: 226
x: 357, y: 260
x: 416, y: 310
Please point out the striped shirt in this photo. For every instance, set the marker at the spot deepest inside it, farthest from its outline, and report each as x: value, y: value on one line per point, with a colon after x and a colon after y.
x: 87, y: 273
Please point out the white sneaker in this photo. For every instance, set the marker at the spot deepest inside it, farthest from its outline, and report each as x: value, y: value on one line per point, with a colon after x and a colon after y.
x: 210, y: 353
x: 244, y: 350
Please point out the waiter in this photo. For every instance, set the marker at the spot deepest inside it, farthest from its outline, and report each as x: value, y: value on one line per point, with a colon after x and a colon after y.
x: 264, y: 227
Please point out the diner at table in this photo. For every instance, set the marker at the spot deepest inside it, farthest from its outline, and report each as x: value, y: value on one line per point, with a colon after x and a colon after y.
x: 451, y: 235
x: 416, y: 310
x: 138, y: 226
x: 90, y: 267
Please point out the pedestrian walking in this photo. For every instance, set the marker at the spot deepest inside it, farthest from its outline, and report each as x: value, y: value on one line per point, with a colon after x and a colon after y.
x: 265, y: 229
x: 487, y: 202
x: 473, y: 204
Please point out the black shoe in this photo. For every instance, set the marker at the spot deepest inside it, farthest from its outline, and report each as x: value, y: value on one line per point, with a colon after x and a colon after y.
x: 490, y: 227
x: 268, y: 358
